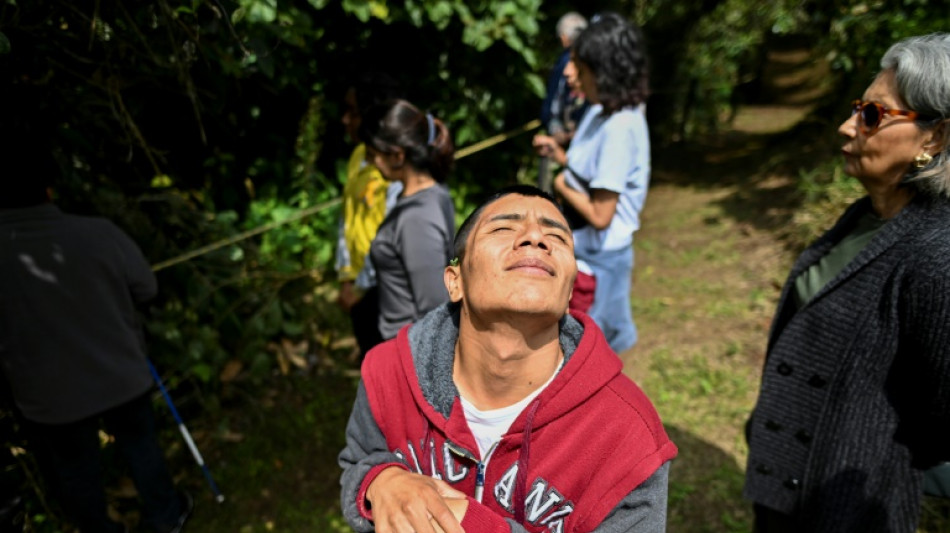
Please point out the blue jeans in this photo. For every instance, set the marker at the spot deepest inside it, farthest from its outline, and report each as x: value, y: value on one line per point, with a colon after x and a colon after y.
x: 69, y: 456
x: 611, y: 309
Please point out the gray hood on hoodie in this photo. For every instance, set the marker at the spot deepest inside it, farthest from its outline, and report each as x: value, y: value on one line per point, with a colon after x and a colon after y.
x: 432, y: 341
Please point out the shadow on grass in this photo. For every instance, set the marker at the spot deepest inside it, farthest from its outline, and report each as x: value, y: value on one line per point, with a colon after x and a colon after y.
x: 762, y: 169
x: 273, y: 453
x: 705, y: 492
x: 705, y: 488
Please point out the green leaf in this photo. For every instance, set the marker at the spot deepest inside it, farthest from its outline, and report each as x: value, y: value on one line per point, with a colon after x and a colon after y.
x: 260, y: 11
x: 4, y: 44
x: 440, y: 13
x: 476, y: 37
x: 415, y: 12
x: 236, y: 254
x: 162, y: 181
x: 379, y: 10
x: 292, y: 329
x: 525, y: 22
x: 536, y: 84
x: 202, y: 371
x: 359, y: 8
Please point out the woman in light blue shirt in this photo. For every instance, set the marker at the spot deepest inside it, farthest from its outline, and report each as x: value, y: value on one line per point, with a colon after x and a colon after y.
x: 607, y: 167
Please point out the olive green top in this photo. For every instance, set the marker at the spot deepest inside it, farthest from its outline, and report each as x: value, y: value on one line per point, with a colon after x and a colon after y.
x: 819, y: 274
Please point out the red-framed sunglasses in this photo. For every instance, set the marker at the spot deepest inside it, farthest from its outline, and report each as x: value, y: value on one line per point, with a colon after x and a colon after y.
x: 872, y: 113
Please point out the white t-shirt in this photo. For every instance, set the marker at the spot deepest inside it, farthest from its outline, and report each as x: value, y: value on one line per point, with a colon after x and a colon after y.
x: 489, y: 426
x: 611, y: 153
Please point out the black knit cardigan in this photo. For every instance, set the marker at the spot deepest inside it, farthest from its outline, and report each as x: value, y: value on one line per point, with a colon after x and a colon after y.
x: 855, y: 394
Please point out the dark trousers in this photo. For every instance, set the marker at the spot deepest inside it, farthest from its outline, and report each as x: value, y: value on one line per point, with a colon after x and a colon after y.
x: 365, y: 317
x: 769, y: 521
x: 69, y: 455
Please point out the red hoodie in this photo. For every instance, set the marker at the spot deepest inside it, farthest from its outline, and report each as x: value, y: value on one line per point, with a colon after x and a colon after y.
x: 588, y: 440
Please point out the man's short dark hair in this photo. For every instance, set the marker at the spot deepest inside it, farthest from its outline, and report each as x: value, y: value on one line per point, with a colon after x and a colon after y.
x: 461, y: 236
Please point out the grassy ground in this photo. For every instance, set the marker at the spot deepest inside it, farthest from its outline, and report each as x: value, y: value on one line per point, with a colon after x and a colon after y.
x: 709, y: 267
x: 275, y: 458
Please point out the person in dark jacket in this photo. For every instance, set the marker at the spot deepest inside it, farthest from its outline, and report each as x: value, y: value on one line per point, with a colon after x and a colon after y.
x: 72, y: 354
x: 564, y: 103
x: 499, y: 411
x: 855, y: 396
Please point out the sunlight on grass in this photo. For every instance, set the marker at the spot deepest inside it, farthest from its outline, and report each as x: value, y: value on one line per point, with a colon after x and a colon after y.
x: 702, y: 305
x: 712, y: 399
x: 704, y: 396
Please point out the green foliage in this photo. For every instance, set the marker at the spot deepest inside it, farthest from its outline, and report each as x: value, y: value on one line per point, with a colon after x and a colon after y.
x: 725, y: 45
x: 707, y: 54
x: 859, y: 31
x: 702, y: 53
x: 826, y: 191
x: 190, y: 121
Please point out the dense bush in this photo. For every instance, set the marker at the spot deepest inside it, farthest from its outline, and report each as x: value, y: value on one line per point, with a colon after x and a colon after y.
x: 188, y: 121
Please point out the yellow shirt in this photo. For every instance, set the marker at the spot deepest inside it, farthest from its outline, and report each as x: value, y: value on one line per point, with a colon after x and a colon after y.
x: 364, y: 207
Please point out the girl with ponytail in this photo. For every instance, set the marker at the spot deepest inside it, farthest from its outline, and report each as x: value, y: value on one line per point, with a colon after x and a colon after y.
x: 414, y: 243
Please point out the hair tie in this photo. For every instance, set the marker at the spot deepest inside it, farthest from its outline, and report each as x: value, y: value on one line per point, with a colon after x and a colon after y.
x: 431, y: 122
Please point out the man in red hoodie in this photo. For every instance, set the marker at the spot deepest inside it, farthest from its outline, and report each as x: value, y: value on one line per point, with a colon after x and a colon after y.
x: 500, y: 411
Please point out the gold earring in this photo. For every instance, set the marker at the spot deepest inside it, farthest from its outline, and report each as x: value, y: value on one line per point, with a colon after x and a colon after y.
x: 923, y: 159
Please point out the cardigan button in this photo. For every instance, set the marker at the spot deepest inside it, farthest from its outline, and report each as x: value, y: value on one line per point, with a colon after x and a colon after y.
x: 803, y: 436
x: 763, y: 469
x: 772, y: 425
x: 792, y: 483
x: 784, y: 369
x: 817, y: 381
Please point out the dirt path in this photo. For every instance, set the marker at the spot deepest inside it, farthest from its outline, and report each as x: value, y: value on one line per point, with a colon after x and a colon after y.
x: 710, y: 261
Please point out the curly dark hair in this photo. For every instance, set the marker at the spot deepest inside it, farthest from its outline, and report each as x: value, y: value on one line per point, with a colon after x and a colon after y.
x: 614, y: 50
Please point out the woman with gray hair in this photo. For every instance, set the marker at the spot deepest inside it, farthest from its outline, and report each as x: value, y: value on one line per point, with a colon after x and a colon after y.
x: 855, y: 397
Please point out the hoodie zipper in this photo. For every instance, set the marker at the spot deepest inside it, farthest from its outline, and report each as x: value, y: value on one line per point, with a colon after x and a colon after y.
x: 480, y: 473
x: 481, y: 465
